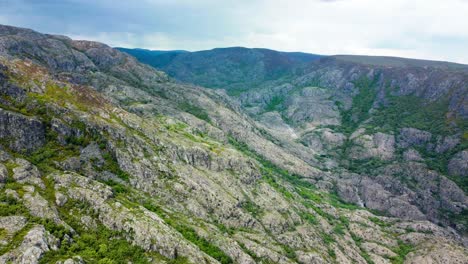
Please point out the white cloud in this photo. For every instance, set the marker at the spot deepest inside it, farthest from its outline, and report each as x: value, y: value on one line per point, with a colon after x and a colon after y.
x: 427, y: 29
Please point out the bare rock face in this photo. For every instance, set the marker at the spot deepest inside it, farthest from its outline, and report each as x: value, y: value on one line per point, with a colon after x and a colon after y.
x: 412, y: 155
x: 64, y: 132
x: 36, y: 242
x: 323, y: 140
x: 25, y: 172
x: 149, y: 231
x: 439, y: 253
x: 445, y: 144
x: 413, y: 137
x: 10, y: 225
x: 3, y: 173
x: 23, y: 134
x: 408, y: 198
x: 39, y: 207
x: 458, y: 165
x: 379, y: 145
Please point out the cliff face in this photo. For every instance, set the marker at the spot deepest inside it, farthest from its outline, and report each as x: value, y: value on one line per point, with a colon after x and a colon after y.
x: 106, y: 160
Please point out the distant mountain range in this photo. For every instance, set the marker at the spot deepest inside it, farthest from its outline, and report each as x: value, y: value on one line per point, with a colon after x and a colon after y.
x: 231, y: 68
x: 231, y: 155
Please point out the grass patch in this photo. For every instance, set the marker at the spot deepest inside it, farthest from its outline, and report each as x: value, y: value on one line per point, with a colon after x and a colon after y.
x: 190, y: 234
x: 402, y: 250
x: 195, y: 110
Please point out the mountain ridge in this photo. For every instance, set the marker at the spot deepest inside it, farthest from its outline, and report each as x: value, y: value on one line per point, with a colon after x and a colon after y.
x: 131, y: 165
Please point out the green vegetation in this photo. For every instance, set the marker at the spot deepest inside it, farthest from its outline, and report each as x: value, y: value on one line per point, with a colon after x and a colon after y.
x: 111, y: 165
x: 310, y: 218
x: 195, y: 110
x: 358, y: 241
x: 45, y: 157
x: 327, y: 238
x: 98, y: 246
x: 274, y: 103
x: 10, y: 206
x: 305, y: 189
x: 252, y: 208
x: 365, y: 166
x: 413, y: 111
x: 402, y: 250
x: 361, y: 105
x: 190, y: 234
x: 378, y: 222
x: 461, y: 218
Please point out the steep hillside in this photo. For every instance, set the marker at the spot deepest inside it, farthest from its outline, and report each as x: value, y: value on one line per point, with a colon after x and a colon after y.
x: 155, y: 58
x: 106, y: 160
x: 234, y: 69
x: 398, y: 123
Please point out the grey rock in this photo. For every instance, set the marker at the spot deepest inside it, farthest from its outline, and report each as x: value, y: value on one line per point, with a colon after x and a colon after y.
x: 11, y: 224
x: 70, y: 164
x: 458, y: 164
x: 413, y: 137
x: 60, y: 199
x: 35, y: 243
x: 25, y: 172
x: 379, y: 145
x: 412, y: 155
x: 92, y: 153
x: 74, y: 260
x: 88, y: 222
x: 12, y: 194
x: 447, y: 143
x: 3, y: 173
x: 23, y: 134
x: 39, y: 207
x: 64, y: 132
x: 4, y: 156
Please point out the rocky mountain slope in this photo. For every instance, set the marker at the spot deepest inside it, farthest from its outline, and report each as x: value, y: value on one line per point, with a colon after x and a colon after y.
x: 397, y: 123
x: 106, y: 160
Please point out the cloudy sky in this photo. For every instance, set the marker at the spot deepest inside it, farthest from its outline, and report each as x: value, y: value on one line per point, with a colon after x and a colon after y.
x: 429, y: 29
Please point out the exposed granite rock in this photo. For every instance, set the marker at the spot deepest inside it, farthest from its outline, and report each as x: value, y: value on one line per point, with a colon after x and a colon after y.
x: 12, y: 194
x: 458, y: 165
x: 379, y: 145
x: 23, y: 134
x: 3, y: 173
x: 74, y: 260
x: 445, y: 144
x: 60, y: 199
x: 438, y: 253
x: 92, y: 153
x: 11, y: 225
x: 409, y: 199
x: 36, y: 242
x: 64, y: 132
x: 409, y: 137
x: 39, y: 207
x: 412, y: 155
x: 149, y: 231
x: 25, y: 172
x: 323, y: 140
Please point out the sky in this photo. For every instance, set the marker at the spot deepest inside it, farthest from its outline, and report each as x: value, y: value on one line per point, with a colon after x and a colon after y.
x: 425, y: 29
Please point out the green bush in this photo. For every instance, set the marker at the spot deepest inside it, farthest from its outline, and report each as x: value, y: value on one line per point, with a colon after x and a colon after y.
x: 195, y: 110
x: 190, y: 234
